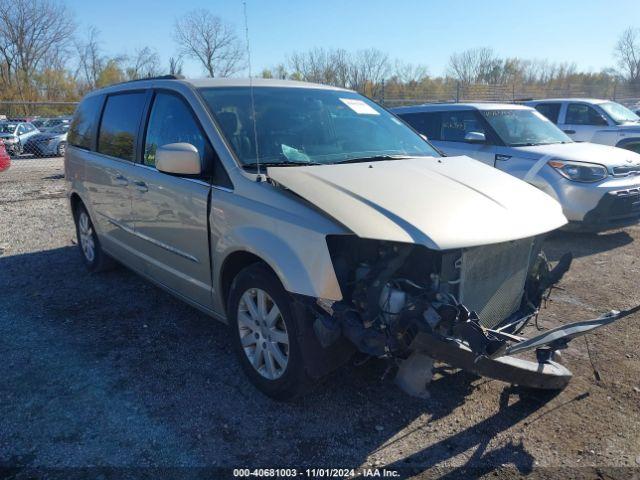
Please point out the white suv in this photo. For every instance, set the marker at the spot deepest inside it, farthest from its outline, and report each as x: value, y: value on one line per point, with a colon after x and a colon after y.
x: 592, y: 120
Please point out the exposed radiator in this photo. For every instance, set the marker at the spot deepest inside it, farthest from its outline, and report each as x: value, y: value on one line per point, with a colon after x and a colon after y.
x: 492, y: 279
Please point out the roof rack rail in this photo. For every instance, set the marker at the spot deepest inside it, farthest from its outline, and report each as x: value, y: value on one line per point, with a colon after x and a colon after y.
x: 159, y: 77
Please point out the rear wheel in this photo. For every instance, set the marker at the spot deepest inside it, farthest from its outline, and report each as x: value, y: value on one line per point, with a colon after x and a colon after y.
x: 265, y: 333
x: 94, y: 257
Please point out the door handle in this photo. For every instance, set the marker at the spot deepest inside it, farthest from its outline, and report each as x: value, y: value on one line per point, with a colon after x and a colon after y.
x: 120, y: 181
x: 502, y: 158
x: 570, y: 132
x: 141, y: 187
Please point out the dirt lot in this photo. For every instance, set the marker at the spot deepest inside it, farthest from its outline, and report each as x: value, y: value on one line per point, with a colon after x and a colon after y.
x: 108, y: 370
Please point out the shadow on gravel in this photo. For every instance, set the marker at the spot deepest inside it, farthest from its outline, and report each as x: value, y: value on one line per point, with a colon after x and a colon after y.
x: 584, y: 244
x: 109, y: 370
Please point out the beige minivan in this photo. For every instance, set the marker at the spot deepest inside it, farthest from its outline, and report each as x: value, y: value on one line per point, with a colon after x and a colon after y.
x: 317, y: 224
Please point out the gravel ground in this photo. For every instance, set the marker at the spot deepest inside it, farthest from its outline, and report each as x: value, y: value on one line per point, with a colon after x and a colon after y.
x: 107, y: 370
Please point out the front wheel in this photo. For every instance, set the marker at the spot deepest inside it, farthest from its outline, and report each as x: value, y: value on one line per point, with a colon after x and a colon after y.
x: 265, y: 333
x: 62, y: 149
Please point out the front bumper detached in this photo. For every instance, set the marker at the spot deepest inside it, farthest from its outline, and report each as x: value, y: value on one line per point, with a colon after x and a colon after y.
x: 492, y: 357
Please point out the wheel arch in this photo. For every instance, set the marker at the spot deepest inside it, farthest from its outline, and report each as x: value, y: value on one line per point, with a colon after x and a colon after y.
x: 628, y: 142
x: 233, y: 264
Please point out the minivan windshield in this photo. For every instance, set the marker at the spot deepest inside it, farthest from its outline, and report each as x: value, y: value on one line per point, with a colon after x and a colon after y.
x: 619, y: 113
x: 520, y: 127
x: 309, y: 126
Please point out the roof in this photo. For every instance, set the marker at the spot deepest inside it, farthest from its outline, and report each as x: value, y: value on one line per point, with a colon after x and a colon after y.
x: 212, y: 83
x: 594, y: 101
x: 446, y: 107
x: 255, y: 82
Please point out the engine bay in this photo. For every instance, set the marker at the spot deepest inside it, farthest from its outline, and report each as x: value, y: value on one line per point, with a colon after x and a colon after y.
x: 392, y: 291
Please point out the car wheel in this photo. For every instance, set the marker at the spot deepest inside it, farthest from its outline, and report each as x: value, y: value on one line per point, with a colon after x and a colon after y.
x: 94, y: 257
x: 62, y: 148
x: 265, y: 333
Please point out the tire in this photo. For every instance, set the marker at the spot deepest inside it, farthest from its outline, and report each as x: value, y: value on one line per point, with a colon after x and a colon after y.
x: 62, y: 148
x: 274, y: 367
x: 92, y: 254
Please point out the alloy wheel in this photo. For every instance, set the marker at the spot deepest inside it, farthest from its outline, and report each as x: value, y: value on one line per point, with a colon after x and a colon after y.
x: 86, y: 237
x: 263, y: 333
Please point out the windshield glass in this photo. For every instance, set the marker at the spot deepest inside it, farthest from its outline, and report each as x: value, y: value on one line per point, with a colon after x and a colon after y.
x: 524, y: 127
x: 309, y: 125
x: 7, y: 127
x: 619, y: 113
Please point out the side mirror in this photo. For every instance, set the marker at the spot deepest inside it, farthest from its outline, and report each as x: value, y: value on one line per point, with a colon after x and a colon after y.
x: 475, y: 137
x: 178, y: 158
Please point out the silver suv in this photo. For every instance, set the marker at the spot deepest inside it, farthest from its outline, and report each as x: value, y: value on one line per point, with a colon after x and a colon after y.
x: 598, y: 186
x: 316, y: 224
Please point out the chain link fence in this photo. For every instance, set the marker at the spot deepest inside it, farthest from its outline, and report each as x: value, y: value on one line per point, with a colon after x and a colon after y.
x: 628, y: 95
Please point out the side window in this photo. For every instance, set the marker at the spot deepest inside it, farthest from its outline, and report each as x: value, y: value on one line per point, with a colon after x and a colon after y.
x: 82, y: 130
x: 582, y: 114
x: 456, y: 124
x: 119, y: 126
x: 549, y: 110
x: 21, y: 129
x: 427, y: 124
x: 171, y: 121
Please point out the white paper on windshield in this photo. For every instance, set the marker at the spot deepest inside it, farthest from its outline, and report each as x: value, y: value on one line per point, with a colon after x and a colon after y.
x: 359, y: 106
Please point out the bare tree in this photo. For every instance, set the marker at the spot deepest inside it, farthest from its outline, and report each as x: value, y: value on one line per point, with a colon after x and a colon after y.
x: 627, y: 52
x: 472, y: 66
x: 144, y: 63
x: 368, y: 70
x: 175, y: 66
x: 330, y: 66
x: 90, y: 59
x: 214, y: 43
x: 409, y: 72
x: 30, y: 30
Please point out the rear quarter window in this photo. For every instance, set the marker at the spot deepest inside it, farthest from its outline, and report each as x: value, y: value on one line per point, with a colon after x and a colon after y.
x: 83, y: 126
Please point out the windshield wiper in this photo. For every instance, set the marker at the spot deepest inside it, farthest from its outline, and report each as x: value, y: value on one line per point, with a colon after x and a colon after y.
x: 280, y: 163
x: 375, y: 158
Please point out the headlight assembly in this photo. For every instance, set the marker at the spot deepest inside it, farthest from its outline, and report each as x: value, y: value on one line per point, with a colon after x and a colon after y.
x: 10, y: 140
x: 579, y: 171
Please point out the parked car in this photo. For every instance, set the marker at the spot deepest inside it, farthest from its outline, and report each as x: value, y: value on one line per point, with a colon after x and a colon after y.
x: 14, y: 134
x: 597, y: 185
x: 52, y: 142
x: 39, y: 122
x: 54, y: 123
x: 5, y: 159
x: 316, y: 224
x: 592, y: 120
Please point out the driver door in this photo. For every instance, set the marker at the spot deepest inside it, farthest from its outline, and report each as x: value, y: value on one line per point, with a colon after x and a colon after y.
x: 455, y: 129
x: 582, y: 121
x: 170, y: 211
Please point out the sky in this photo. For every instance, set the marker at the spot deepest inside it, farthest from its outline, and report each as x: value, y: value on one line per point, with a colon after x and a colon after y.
x: 423, y: 32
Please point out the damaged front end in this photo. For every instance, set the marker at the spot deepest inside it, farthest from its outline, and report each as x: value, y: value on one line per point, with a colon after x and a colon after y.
x: 464, y: 306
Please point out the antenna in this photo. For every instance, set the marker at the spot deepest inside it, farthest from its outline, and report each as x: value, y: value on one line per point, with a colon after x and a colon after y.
x: 253, y: 104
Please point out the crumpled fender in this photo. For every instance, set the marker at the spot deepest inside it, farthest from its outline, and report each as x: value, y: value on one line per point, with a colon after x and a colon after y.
x: 301, y: 261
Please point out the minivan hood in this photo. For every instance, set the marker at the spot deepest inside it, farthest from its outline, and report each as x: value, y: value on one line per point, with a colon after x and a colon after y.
x: 584, y: 152
x: 442, y: 203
